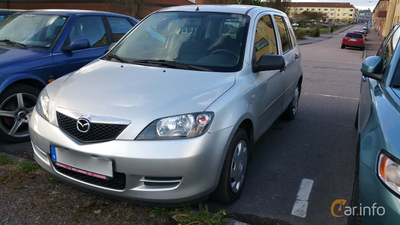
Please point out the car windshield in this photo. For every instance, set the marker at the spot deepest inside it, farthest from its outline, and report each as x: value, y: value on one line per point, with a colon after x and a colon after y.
x: 354, y: 35
x: 31, y: 30
x: 215, y: 41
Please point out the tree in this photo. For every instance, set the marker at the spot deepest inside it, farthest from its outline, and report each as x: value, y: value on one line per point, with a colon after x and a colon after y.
x: 315, y: 16
x: 300, y: 19
x: 219, y: 2
x: 250, y: 2
x: 282, y: 5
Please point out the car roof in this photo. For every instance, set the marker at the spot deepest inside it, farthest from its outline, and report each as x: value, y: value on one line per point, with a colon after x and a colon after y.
x: 70, y: 12
x: 238, y: 9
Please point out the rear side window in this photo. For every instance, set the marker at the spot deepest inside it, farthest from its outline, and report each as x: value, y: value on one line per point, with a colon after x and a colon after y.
x: 265, y: 39
x: 91, y: 28
x: 283, y: 33
x: 119, y: 27
x: 354, y: 35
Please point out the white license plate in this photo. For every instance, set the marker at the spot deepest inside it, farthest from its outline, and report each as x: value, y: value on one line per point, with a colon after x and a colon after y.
x: 353, y: 40
x: 82, y: 163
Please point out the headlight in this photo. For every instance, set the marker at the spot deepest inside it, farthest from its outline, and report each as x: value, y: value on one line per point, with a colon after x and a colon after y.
x: 389, y: 172
x: 42, y: 105
x: 177, y: 127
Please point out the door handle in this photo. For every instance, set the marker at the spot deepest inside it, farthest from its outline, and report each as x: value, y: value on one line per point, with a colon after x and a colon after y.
x: 296, y: 56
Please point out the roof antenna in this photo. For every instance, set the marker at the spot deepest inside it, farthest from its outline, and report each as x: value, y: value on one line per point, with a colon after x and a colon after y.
x: 197, y: 9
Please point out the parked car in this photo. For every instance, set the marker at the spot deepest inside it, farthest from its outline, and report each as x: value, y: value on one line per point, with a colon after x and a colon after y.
x: 365, y: 29
x: 361, y: 32
x: 4, y: 14
x: 37, y: 47
x: 353, y: 40
x: 173, y: 119
x: 295, y: 24
x: 378, y: 123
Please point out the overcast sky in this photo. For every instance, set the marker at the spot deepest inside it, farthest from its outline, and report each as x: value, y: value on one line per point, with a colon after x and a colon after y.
x: 360, y: 4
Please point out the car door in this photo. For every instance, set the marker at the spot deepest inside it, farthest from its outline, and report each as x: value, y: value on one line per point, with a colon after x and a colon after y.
x: 91, y: 28
x: 119, y: 27
x: 368, y: 85
x: 269, y: 83
x: 291, y: 53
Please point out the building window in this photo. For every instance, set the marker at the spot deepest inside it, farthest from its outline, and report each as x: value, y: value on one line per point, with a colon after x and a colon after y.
x: 301, y: 9
x: 350, y: 14
x: 292, y: 9
x: 319, y: 10
x: 338, y: 10
x: 313, y: 10
x: 307, y: 9
x: 332, y: 10
x: 338, y: 14
x: 326, y: 10
x: 351, y: 10
x: 344, y: 14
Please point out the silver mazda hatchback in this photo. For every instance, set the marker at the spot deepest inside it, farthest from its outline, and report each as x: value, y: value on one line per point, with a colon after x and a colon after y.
x: 171, y: 113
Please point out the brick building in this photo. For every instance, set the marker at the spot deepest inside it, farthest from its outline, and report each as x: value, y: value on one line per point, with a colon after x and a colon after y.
x: 118, y: 6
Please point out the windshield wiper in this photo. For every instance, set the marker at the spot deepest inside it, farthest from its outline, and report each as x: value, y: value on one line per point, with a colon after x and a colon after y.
x: 172, y: 64
x: 7, y: 41
x: 117, y: 58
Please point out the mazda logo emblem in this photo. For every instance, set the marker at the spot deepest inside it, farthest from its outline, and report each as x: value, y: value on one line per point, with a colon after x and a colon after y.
x: 83, y: 125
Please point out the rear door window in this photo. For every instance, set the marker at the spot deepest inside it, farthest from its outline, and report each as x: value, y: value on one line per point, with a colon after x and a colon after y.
x: 119, y: 27
x: 284, y: 34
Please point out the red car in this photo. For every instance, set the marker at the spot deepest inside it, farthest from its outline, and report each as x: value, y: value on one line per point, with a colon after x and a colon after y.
x: 354, y: 40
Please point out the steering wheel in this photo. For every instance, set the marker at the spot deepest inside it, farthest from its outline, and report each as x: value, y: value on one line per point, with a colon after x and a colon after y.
x: 49, y: 39
x: 226, y: 51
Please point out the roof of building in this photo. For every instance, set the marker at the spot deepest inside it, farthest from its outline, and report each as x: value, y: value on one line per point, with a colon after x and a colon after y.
x: 322, y: 4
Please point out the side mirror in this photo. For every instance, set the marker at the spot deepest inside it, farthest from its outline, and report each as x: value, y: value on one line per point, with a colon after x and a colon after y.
x: 372, y: 67
x: 79, y: 44
x: 112, y: 45
x: 269, y: 62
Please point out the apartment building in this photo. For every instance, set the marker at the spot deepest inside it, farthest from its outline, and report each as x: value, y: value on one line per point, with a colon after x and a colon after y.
x: 365, y: 15
x: 335, y: 12
x: 385, y: 15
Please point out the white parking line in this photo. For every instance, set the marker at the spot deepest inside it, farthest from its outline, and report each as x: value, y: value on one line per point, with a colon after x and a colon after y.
x: 332, y: 96
x: 301, y: 204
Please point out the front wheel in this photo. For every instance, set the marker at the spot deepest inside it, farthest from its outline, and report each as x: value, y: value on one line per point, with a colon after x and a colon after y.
x: 233, y: 172
x: 16, y: 105
x: 291, y: 111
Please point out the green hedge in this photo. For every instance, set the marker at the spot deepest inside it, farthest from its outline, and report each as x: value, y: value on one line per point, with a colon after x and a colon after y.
x: 314, y: 32
x: 300, y: 34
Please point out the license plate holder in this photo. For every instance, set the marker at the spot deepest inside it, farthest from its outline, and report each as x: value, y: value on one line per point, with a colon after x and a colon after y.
x: 82, y: 163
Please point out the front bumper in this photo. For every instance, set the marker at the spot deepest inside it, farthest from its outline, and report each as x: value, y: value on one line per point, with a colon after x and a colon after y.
x: 197, y: 163
x: 373, y: 191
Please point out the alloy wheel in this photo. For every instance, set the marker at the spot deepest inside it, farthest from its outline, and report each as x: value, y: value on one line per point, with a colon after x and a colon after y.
x: 15, y: 112
x: 238, y: 166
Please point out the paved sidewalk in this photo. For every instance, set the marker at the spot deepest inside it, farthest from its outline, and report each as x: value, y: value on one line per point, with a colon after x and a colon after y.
x: 373, y: 43
x: 310, y: 40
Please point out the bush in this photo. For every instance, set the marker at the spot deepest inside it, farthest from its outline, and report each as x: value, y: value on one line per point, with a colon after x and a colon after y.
x: 300, y: 34
x: 314, y: 32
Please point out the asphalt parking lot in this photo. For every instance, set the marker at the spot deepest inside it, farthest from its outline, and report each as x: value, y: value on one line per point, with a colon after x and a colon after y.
x: 317, y: 149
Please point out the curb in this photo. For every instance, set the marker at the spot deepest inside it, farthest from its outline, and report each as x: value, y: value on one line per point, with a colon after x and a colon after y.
x: 315, y: 41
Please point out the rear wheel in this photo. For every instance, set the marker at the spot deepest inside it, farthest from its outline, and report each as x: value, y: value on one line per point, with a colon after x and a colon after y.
x: 16, y: 105
x: 342, y: 47
x: 233, y: 172
x: 291, y: 111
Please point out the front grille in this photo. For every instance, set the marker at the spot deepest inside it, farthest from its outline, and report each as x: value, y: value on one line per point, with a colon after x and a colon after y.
x: 98, y: 132
x: 118, y: 182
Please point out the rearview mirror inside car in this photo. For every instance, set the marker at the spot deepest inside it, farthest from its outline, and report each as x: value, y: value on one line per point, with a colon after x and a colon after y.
x: 372, y: 67
x: 79, y: 44
x: 269, y: 62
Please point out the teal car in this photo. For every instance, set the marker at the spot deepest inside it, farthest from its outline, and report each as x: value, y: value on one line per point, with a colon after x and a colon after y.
x: 378, y: 129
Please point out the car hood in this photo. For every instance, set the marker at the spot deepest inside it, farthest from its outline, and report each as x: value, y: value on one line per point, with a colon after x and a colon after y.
x: 11, y: 58
x: 138, y: 93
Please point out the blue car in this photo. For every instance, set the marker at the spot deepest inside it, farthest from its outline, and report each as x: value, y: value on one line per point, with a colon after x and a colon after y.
x: 378, y: 124
x: 37, y: 47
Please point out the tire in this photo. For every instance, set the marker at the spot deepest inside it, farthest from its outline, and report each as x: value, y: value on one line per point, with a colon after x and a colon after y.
x: 342, y: 47
x: 356, y: 120
x: 291, y: 111
x: 226, y: 192
x: 14, y: 115
x: 362, y: 48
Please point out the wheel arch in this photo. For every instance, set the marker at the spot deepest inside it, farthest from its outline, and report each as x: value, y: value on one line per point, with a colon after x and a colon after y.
x: 26, y: 79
